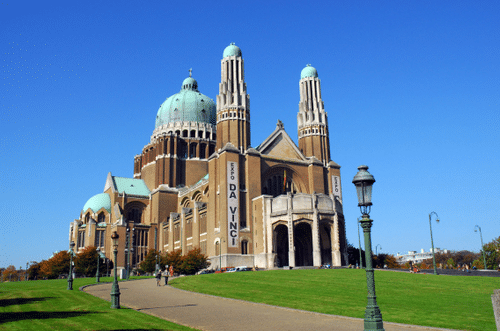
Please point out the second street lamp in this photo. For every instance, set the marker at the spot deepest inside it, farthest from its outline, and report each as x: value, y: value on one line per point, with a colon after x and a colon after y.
x: 432, y: 242
x: 115, y: 289
x: 70, y: 275
x: 482, y: 245
x: 364, y: 182
x: 359, y: 239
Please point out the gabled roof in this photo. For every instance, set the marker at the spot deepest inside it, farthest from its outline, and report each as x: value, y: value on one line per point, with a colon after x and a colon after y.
x: 280, y: 145
x: 131, y: 186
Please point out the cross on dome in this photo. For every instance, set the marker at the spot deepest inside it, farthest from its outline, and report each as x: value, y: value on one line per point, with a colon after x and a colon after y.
x: 190, y: 72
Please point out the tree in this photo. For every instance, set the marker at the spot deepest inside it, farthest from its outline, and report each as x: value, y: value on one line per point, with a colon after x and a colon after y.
x: 193, y: 262
x: 174, y: 259
x: 9, y: 274
x: 57, y: 265
x: 492, y: 252
x: 86, y: 262
x: 34, y: 270
x: 149, y: 262
x: 353, y: 255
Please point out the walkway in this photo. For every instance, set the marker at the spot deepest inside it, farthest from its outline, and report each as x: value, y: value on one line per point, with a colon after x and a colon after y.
x: 206, y: 312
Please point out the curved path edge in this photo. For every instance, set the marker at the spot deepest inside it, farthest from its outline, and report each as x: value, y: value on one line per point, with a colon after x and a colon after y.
x: 208, y: 312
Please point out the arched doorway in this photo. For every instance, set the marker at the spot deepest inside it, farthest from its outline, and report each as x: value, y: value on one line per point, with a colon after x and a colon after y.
x: 280, y: 240
x: 302, y: 237
x: 325, y: 243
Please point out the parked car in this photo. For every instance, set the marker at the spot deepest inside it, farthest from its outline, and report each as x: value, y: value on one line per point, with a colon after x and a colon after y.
x: 243, y: 268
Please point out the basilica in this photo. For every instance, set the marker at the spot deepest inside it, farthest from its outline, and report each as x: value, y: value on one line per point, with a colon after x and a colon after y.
x: 198, y: 183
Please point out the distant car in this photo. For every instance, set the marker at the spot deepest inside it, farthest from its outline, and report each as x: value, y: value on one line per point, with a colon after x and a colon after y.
x: 231, y: 270
x: 325, y: 266
x: 243, y: 268
x: 206, y: 271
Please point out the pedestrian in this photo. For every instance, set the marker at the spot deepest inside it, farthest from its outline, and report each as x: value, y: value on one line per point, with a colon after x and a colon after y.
x: 165, y: 275
x: 158, y: 277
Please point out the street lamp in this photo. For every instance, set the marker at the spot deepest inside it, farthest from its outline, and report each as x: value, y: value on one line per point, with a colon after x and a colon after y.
x: 115, y: 290
x: 70, y: 275
x: 359, y: 239
x: 97, y: 272
x: 378, y: 245
x: 432, y: 241
x: 364, y: 182
x: 127, y: 251
x: 482, y: 245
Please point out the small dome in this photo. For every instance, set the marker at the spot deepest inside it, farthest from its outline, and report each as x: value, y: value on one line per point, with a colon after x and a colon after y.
x: 97, y: 202
x: 231, y: 50
x: 190, y: 83
x: 308, y: 71
x: 189, y: 105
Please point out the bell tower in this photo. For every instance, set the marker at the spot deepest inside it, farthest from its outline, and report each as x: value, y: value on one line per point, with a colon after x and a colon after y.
x: 233, y: 102
x: 312, y: 120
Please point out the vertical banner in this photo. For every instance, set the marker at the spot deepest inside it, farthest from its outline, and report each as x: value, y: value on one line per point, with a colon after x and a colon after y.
x: 336, y: 186
x: 232, y: 204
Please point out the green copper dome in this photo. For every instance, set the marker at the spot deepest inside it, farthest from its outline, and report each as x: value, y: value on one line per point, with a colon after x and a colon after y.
x: 97, y: 202
x: 231, y: 50
x: 308, y: 71
x: 189, y: 105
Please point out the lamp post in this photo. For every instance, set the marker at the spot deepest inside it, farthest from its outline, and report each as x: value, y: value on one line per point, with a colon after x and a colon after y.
x: 131, y: 252
x: 70, y: 275
x: 115, y: 290
x: 359, y: 239
x: 127, y: 251
x: 97, y: 279
x: 482, y: 245
x: 432, y: 241
x: 378, y: 245
x: 364, y: 182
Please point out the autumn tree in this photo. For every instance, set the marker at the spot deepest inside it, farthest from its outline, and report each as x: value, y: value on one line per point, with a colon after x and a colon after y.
x: 193, y: 262
x: 57, y: 265
x: 492, y: 253
x: 9, y: 274
x: 149, y: 262
x: 174, y: 259
x: 86, y: 262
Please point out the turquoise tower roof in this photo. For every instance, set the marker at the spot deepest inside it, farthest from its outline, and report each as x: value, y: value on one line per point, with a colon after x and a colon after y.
x: 231, y: 50
x: 189, y: 105
x: 97, y: 202
x: 308, y: 71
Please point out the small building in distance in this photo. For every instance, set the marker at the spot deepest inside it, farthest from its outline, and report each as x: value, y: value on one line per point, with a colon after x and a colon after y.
x: 415, y: 257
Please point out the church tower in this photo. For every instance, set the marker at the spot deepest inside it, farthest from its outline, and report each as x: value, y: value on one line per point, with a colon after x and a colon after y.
x: 312, y: 119
x: 233, y: 102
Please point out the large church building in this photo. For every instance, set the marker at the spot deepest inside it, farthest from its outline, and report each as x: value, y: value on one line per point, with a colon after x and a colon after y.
x: 199, y: 184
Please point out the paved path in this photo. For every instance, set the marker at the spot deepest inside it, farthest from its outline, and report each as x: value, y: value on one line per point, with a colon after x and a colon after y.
x: 206, y: 312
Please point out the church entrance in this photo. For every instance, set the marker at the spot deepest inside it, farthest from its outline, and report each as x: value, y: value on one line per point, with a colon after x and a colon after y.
x: 302, y: 238
x: 325, y: 244
x: 280, y: 239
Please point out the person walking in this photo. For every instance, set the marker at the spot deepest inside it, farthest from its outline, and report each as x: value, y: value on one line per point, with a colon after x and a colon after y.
x: 158, y: 277
x: 165, y: 275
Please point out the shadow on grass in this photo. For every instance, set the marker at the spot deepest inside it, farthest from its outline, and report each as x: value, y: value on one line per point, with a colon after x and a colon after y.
x: 38, y: 315
x: 21, y: 301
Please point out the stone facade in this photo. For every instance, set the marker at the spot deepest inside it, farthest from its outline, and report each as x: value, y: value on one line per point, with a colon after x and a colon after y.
x: 199, y: 184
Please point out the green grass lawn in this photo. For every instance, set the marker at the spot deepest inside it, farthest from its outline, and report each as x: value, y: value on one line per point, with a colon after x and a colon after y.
x: 48, y: 305
x: 457, y: 302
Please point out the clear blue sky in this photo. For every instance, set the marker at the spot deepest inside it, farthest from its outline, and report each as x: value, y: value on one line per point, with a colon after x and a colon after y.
x: 411, y: 89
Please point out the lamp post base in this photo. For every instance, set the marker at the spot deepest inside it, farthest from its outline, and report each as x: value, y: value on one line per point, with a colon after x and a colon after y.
x: 115, y: 296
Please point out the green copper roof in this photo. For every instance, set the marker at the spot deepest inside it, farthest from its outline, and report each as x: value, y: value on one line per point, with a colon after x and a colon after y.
x: 97, y: 202
x: 189, y: 105
x: 231, y: 50
x: 131, y: 186
x: 308, y: 71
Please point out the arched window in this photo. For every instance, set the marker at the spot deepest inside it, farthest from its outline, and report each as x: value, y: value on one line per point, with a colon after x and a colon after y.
x: 244, y: 247
x: 101, y: 218
x: 134, y: 215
